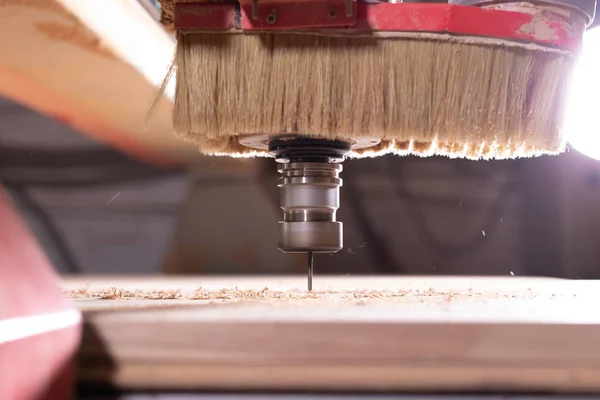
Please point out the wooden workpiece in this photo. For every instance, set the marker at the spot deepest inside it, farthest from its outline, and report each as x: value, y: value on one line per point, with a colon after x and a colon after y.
x: 93, y: 65
x: 351, y: 333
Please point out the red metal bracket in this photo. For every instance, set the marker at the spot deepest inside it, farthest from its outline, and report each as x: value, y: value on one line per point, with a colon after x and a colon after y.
x: 266, y: 15
x: 542, y: 28
x: 298, y: 14
x: 406, y: 17
x: 205, y: 16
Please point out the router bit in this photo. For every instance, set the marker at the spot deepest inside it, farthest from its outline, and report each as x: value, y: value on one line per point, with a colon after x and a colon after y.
x: 310, y: 270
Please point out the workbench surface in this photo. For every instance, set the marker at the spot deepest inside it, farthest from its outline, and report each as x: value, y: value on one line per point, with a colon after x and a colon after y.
x: 351, y: 333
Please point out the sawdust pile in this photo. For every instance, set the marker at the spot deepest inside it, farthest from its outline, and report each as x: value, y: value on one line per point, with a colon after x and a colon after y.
x: 266, y: 295
x: 167, y: 12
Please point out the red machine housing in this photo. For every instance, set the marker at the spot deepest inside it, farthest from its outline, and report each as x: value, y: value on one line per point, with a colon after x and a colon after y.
x: 543, y: 27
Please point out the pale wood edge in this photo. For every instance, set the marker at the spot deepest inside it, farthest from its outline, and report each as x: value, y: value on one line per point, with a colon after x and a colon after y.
x: 232, y: 347
x: 131, y: 32
x: 60, y: 39
x: 522, y: 286
x: 29, y: 94
x: 427, y: 378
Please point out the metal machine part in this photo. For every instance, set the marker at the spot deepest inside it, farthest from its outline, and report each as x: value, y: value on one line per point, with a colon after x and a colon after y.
x: 309, y: 190
x: 261, y: 142
x: 310, y: 195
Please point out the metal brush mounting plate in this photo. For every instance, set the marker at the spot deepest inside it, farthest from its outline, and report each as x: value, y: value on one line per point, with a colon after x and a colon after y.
x: 261, y: 142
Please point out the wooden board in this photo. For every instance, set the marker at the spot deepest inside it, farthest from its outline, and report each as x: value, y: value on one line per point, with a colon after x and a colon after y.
x: 352, y: 333
x: 93, y: 65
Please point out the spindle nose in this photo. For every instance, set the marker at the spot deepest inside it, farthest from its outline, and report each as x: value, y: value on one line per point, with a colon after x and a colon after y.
x: 309, y: 189
x: 310, y: 197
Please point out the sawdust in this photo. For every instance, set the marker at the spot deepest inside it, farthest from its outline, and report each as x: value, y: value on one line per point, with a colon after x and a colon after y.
x: 295, y: 296
x: 167, y: 14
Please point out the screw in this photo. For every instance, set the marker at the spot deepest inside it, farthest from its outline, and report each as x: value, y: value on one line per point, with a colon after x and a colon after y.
x: 332, y: 14
x: 271, y: 18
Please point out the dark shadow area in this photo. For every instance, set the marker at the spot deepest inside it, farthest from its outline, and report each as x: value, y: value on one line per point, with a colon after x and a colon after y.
x: 95, y: 364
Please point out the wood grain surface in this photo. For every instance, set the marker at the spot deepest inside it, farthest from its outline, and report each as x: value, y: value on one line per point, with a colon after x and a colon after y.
x: 351, y: 333
x: 93, y: 65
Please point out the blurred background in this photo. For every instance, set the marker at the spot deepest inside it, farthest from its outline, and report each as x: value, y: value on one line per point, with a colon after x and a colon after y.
x: 97, y: 210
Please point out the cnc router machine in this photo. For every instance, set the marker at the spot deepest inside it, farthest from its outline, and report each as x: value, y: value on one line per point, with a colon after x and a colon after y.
x: 154, y: 335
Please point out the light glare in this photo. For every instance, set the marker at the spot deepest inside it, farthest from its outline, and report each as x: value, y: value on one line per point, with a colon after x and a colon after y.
x: 582, y: 129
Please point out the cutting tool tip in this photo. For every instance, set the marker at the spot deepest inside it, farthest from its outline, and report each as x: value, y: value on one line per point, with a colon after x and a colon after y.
x: 310, y: 270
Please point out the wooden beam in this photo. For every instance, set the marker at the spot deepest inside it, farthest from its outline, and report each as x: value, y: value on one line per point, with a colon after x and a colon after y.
x: 93, y: 65
x: 352, y: 333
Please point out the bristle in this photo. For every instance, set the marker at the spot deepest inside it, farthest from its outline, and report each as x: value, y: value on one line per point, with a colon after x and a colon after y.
x: 421, y: 96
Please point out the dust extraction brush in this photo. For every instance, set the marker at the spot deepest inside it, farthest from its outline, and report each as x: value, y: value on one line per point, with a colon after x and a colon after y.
x: 473, y: 80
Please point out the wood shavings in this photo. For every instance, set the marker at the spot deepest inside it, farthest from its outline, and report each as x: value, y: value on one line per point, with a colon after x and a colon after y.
x: 293, y: 296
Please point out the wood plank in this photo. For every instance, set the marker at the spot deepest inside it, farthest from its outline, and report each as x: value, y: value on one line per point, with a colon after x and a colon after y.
x: 93, y: 65
x: 351, y: 333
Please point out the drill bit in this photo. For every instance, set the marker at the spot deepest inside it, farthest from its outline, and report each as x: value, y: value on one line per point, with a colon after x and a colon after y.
x: 310, y: 270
